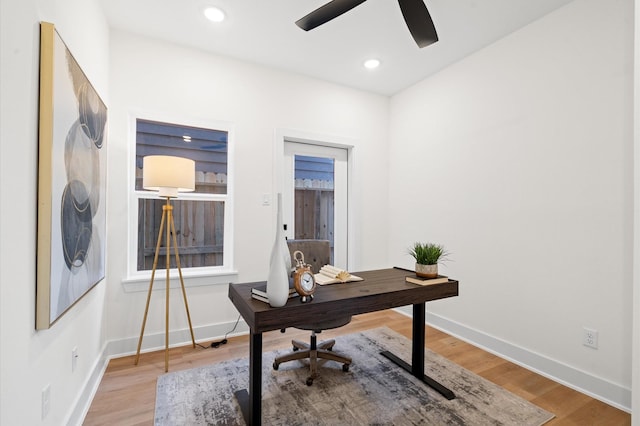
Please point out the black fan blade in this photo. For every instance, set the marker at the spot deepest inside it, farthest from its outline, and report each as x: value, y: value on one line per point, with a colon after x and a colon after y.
x: 418, y: 21
x: 326, y: 13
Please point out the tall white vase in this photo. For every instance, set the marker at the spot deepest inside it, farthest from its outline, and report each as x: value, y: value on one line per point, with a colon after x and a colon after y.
x: 279, y: 265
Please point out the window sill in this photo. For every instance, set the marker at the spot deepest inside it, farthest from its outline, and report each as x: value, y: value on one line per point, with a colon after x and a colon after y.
x: 191, y: 279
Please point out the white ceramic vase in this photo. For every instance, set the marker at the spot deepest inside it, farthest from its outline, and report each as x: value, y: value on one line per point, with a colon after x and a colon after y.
x: 279, y: 265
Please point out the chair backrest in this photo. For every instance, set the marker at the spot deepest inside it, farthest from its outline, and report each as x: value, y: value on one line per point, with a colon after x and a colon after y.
x: 317, y: 253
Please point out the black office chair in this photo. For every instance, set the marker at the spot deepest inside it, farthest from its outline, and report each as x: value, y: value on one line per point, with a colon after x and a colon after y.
x: 317, y: 253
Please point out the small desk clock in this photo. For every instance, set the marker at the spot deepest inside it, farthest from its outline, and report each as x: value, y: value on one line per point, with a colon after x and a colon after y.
x: 303, y: 280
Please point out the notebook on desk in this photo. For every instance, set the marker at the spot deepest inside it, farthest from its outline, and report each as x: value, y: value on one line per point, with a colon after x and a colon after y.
x: 260, y: 293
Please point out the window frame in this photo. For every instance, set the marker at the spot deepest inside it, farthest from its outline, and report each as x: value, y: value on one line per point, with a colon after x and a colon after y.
x: 139, y: 280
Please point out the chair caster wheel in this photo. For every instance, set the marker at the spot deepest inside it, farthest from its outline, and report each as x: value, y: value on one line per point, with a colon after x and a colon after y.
x: 309, y: 381
x: 345, y: 367
x: 275, y: 366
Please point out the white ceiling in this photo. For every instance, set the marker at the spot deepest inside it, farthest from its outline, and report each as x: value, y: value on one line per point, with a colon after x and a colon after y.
x: 264, y: 32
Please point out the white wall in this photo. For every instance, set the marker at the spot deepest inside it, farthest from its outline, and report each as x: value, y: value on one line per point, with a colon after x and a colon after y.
x: 635, y: 403
x: 30, y: 360
x: 176, y: 82
x: 519, y: 159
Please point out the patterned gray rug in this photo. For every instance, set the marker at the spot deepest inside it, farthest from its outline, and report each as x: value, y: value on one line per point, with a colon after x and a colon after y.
x: 373, y: 392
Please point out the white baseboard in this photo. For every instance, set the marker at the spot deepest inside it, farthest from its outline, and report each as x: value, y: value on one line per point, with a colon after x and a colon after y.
x: 83, y: 401
x: 581, y: 381
x: 155, y: 342
x: 152, y: 342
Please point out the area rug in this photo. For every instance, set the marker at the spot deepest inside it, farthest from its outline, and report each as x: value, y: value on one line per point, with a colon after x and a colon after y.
x: 374, y: 391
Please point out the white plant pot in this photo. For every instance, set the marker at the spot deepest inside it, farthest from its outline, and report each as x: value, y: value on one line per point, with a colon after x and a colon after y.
x: 427, y: 271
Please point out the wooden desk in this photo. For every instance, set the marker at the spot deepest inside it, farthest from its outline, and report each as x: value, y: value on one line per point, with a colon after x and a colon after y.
x: 381, y: 289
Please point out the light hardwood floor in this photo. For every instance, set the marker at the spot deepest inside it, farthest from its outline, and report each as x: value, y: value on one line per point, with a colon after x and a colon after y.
x: 126, y: 395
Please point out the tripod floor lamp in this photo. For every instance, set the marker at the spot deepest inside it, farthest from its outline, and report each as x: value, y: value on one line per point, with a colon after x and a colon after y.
x: 167, y: 175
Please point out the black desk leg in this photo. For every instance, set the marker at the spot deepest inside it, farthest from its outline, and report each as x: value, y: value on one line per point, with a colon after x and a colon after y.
x: 417, y: 350
x: 251, y: 402
x: 417, y: 354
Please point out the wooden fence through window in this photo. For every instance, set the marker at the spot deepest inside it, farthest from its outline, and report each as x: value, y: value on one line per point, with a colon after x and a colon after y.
x: 199, y: 233
x: 314, y: 217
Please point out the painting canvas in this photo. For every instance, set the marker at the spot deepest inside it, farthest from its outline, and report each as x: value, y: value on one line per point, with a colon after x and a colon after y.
x: 71, y: 182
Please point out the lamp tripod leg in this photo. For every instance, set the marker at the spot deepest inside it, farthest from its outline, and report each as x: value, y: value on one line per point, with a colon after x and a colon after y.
x: 169, y: 208
x: 184, y: 293
x: 153, y: 273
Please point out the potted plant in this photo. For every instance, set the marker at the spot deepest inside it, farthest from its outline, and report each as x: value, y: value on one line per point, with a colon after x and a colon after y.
x: 427, y: 256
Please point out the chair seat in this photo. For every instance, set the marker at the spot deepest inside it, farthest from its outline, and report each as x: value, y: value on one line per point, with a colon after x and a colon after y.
x: 325, y: 324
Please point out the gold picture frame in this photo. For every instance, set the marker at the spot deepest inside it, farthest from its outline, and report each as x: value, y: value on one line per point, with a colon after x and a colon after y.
x: 71, y: 182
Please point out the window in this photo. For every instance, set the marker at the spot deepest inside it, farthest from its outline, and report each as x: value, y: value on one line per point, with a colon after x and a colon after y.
x: 201, y: 217
x: 314, y: 198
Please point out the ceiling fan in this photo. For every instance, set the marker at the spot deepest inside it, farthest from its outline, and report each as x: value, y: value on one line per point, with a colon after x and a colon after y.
x: 415, y: 15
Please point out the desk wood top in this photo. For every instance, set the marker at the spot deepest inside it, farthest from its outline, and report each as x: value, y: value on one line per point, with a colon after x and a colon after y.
x: 381, y: 289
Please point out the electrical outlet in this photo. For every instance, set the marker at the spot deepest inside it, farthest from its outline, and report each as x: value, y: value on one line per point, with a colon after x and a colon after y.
x: 74, y: 358
x: 590, y: 337
x: 46, y: 400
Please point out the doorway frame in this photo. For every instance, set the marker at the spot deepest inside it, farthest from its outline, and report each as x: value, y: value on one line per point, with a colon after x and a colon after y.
x: 282, y: 135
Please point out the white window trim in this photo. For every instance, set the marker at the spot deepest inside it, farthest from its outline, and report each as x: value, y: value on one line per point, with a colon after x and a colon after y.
x: 193, y: 277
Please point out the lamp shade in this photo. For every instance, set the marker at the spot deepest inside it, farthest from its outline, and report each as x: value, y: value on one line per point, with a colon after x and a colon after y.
x: 168, y: 175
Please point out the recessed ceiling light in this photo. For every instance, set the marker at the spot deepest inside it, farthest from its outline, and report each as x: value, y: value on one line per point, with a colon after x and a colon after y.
x: 214, y: 14
x: 371, y: 64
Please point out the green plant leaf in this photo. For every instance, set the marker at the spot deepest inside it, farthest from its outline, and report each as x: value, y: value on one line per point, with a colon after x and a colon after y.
x: 428, y: 253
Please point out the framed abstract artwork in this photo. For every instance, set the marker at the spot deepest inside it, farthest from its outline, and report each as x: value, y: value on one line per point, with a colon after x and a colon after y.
x: 71, y: 182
